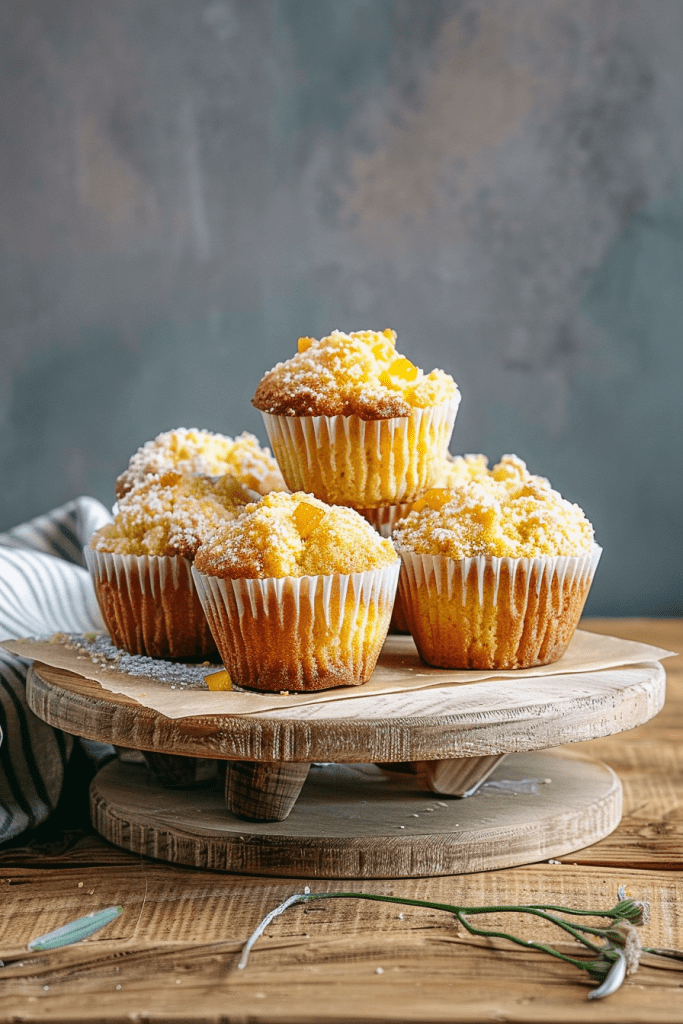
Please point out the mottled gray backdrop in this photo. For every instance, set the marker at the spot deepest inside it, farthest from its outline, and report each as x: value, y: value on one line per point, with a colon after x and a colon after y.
x: 189, y: 185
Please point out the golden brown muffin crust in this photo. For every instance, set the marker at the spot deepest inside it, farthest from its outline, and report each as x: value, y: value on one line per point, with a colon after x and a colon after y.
x: 203, y: 452
x: 170, y: 514
x: 351, y: 374
x: 293, y: 535
x: 504, y: 512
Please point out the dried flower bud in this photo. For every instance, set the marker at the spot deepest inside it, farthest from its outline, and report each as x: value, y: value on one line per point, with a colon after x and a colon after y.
x: 635, y: 911
x: 624, y: 936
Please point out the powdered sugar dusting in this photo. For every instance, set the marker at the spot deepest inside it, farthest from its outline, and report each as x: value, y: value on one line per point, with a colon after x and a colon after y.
x: 98, y: 648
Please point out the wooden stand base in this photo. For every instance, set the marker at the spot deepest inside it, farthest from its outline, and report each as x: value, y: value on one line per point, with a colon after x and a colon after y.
x: 357, y: 821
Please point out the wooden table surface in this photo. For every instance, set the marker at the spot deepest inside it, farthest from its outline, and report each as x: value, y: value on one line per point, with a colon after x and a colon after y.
x: 172, y: 954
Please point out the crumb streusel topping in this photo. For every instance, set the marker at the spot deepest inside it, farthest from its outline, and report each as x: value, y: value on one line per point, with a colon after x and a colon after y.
x: 351, y: 374
x: 504, y: 511
x: 293, y: 535
x: 201, y: 451
x: 170, y: 514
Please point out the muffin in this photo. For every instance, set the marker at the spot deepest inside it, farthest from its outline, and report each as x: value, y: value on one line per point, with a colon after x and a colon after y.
x: 298, y: 594
x: 354, y: 422
x: 140, y: 563
x: 496, y: 569
x: 202, y: 452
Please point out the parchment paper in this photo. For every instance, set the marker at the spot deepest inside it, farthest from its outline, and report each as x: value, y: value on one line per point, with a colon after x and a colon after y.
x: 399, y: 670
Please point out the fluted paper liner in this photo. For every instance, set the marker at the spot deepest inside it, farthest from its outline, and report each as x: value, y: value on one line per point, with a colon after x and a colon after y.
x: 306, y: 633
x: 150, y: 605
x: 345, y: 460
x: 384, y: 519
x: 494, y: 613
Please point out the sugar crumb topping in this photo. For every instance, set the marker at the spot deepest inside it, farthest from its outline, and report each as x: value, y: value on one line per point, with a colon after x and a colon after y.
x: 360, y: 373
x: 504, y: 511
x: 170, y: 514
x: 293, y: 535
x: 201, y: 451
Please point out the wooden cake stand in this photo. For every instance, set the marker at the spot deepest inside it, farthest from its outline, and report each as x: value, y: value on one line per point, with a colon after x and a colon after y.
x: 370, y: 794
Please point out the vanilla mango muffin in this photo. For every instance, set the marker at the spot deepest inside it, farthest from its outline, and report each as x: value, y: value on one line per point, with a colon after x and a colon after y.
x: 140, y: 563
x: 354, y: 422
x: 202, y: 452
x: 496, y: 568
x: 298, y: 593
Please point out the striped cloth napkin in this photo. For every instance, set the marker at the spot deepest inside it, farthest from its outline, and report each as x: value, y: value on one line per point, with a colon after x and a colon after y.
x: 44, y: 589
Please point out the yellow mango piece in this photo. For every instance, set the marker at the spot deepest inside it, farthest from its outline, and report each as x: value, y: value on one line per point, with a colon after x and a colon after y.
x: 306, y: 518
x: 435, y: 499
x: 219, y: 681
x: 385, y: 379
x: 305, y: 343
x: 403, y: 368
x: 389, y: 335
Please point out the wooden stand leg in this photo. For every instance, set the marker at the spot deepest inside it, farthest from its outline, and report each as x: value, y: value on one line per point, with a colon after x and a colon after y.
x: 263, y: 791
x: 458, y: 776
x: 461, y: 776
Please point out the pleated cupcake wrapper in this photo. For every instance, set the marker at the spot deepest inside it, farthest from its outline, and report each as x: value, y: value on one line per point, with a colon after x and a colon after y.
x: 497, y: 596
x: 346, y: 460
x: 439, y: 571
x: 150, y: 604
x: 384, y: 517
x: 305, y: 633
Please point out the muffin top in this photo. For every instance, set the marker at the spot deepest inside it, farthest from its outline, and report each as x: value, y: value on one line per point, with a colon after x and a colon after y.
x: 293, y: 535
x: 170, y: 514
x: 200, y: 451
x: 504, y: 511
x: 461, y: 469
x: 358, y: 374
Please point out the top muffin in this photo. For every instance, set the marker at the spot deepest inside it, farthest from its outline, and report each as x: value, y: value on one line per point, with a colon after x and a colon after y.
x: 293, y: 535
x: 201, y: 451
x: 358, y: 374
x: 504, y: 512
x: 170, y: 514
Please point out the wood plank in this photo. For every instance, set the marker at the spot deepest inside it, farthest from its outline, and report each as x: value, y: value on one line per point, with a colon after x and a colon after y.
x: 173, y: 950
x: 319, y: 963
x: 357, y: 821
x: 491, y: 717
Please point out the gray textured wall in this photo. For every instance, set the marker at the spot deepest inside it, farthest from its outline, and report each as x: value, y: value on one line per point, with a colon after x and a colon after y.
x: 189, y: 185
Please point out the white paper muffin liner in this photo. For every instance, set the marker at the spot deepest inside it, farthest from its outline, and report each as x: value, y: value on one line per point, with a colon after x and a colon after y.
x: 384, y: 517
x: 487, y: 612
x: 346, y: 460
x: 300, y: 633
x: 150, y: 605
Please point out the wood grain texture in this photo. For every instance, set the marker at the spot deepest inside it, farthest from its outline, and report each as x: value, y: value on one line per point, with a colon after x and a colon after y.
x: 357, y: 822
x: 262, y: 791
x: 173, y: 951
x: 551, y: 712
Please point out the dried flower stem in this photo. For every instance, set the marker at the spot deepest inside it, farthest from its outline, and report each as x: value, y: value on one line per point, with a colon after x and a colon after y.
x: 611, y: 963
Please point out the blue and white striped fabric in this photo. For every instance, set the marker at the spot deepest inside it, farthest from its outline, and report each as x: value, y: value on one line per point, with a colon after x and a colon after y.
x: 44, y: 589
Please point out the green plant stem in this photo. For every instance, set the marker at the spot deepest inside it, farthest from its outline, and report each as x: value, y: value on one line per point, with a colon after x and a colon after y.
x: 470, y: 911
x: 473, y: 930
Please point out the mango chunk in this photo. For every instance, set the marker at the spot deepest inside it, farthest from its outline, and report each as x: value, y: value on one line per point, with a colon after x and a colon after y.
x: 403, y: 368
x: 304, y: 343
x: 306, y: 518
x: 219, y: 680
x: 435, y: 499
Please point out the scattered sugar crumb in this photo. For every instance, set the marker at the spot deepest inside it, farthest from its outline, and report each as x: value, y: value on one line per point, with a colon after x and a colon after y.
x: 179, y: 675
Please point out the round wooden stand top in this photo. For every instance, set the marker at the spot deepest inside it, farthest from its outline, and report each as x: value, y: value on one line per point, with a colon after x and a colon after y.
x: 487, y: 719
x: 353, y: 821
